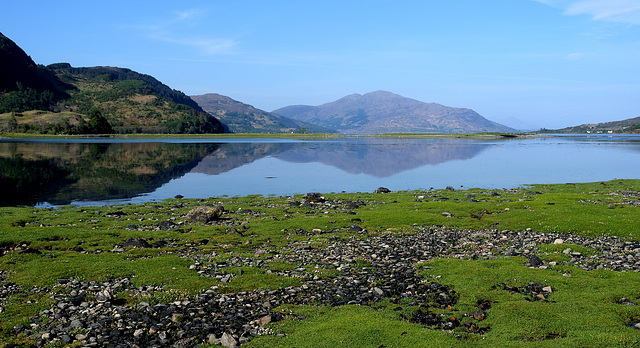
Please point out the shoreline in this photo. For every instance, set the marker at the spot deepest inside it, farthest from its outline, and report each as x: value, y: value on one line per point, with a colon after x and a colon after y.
x: 439, y: 265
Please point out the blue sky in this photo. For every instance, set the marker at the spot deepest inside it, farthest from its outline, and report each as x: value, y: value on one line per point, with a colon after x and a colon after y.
x: 536, y: 63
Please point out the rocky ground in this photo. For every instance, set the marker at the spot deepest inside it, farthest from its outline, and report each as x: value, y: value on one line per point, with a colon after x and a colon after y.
x: 363, y: 270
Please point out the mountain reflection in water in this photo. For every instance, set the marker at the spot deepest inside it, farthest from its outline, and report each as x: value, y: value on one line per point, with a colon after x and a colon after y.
x: 384, y: 157
x: 86, y: 172
x: 60, y: 173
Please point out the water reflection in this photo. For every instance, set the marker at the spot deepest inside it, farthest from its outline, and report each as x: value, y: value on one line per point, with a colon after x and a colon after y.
x: 60, y: 173
x: 384, y: 157
x: 89, y: 172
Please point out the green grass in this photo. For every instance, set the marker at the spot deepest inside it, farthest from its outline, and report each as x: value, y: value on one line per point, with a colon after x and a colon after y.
x: 583, y: 311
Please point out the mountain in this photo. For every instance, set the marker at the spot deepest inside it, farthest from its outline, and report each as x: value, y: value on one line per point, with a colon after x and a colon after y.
x: 628, y: 126
x: 385, y: 112
x: 243, y: 118
x: 24, y: 85
x: 62, y: 99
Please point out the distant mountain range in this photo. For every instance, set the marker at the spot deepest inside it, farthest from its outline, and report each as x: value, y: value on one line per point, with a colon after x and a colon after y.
x: 385, y: 112
x: 61, y: 99
x: 628, y: 126
x: 238, y: 117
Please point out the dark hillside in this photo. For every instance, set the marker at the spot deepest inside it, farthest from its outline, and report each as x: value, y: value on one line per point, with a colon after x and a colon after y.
x: 25, y: 85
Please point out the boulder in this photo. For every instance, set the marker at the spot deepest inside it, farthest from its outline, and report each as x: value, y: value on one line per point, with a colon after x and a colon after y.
x: 205, y: 213
x: 382, y: 190
x: 313, y: 197
x: 136, y: 243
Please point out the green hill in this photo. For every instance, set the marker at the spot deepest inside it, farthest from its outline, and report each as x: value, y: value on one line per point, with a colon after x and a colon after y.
x: 628, y: 126
x: 61, y: 99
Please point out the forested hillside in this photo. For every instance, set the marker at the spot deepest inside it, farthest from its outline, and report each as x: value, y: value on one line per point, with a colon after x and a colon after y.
x: 61, y: 99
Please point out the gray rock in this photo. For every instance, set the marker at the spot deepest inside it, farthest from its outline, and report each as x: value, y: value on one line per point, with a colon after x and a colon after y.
x: 313, y: 197
x: 205, y: 214
x: 75, y: 323
x: 228, y: 340
x: 534, y: 261
x: 136, y: 243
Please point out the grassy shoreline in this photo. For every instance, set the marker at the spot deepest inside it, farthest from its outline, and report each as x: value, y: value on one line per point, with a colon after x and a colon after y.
x: 269, y: 136
x: 40, y: 246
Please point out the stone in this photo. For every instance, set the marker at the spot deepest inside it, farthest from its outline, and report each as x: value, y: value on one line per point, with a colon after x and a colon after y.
x: 313, y: 197
x: 75, y: 323
x: 558, y: 241
x: 177, y: 317
x: 479, y: 315
x: 228, y: 340
x: 205, y: 213
x: 534, y: 261
x: 382, y: 190
x: 65, y: 339
x: 138, y: 333
x: 446, y: 214
x: 377, y: 291
x: 103, y: 296
x: 264, y: 320
x: 136, y: 243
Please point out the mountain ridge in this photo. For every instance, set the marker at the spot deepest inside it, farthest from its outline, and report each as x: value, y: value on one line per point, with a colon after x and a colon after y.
x: 626, y: 126
x: 239, y: 117
x: 386, y: 112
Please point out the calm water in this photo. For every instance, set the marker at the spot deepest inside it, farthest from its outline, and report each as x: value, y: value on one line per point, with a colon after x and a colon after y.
x: 92, y: 172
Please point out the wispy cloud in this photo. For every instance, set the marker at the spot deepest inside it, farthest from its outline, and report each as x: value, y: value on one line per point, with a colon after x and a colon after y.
x: 620, y: 11
x: 170, y: 30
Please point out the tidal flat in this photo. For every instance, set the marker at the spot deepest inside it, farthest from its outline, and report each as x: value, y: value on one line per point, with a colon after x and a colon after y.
x: 535, y: 266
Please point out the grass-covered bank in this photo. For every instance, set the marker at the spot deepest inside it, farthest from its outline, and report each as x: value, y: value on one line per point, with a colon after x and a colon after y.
x: 589, y: 259
x: 479, y: 136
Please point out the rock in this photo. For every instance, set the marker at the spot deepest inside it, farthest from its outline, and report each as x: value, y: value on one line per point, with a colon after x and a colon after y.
x: 377, y: 291
x: 547, y: 289
x: 449, y: 188
x: 65, y: 339
x: 534, y: 261
x: 75, y: 323
x: 264, y: 320
x: 446, y: 214
x: 205, y: 214
x: 103, y: 296
x: 228, y: 340
x: 558, y: 241
x: 138, y: 333
x: 636, y: 326
x: 313, y: 197
x: 382, y: 190
x: 479, y: 315
x: 177, y: 317
x: 136, y: 243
